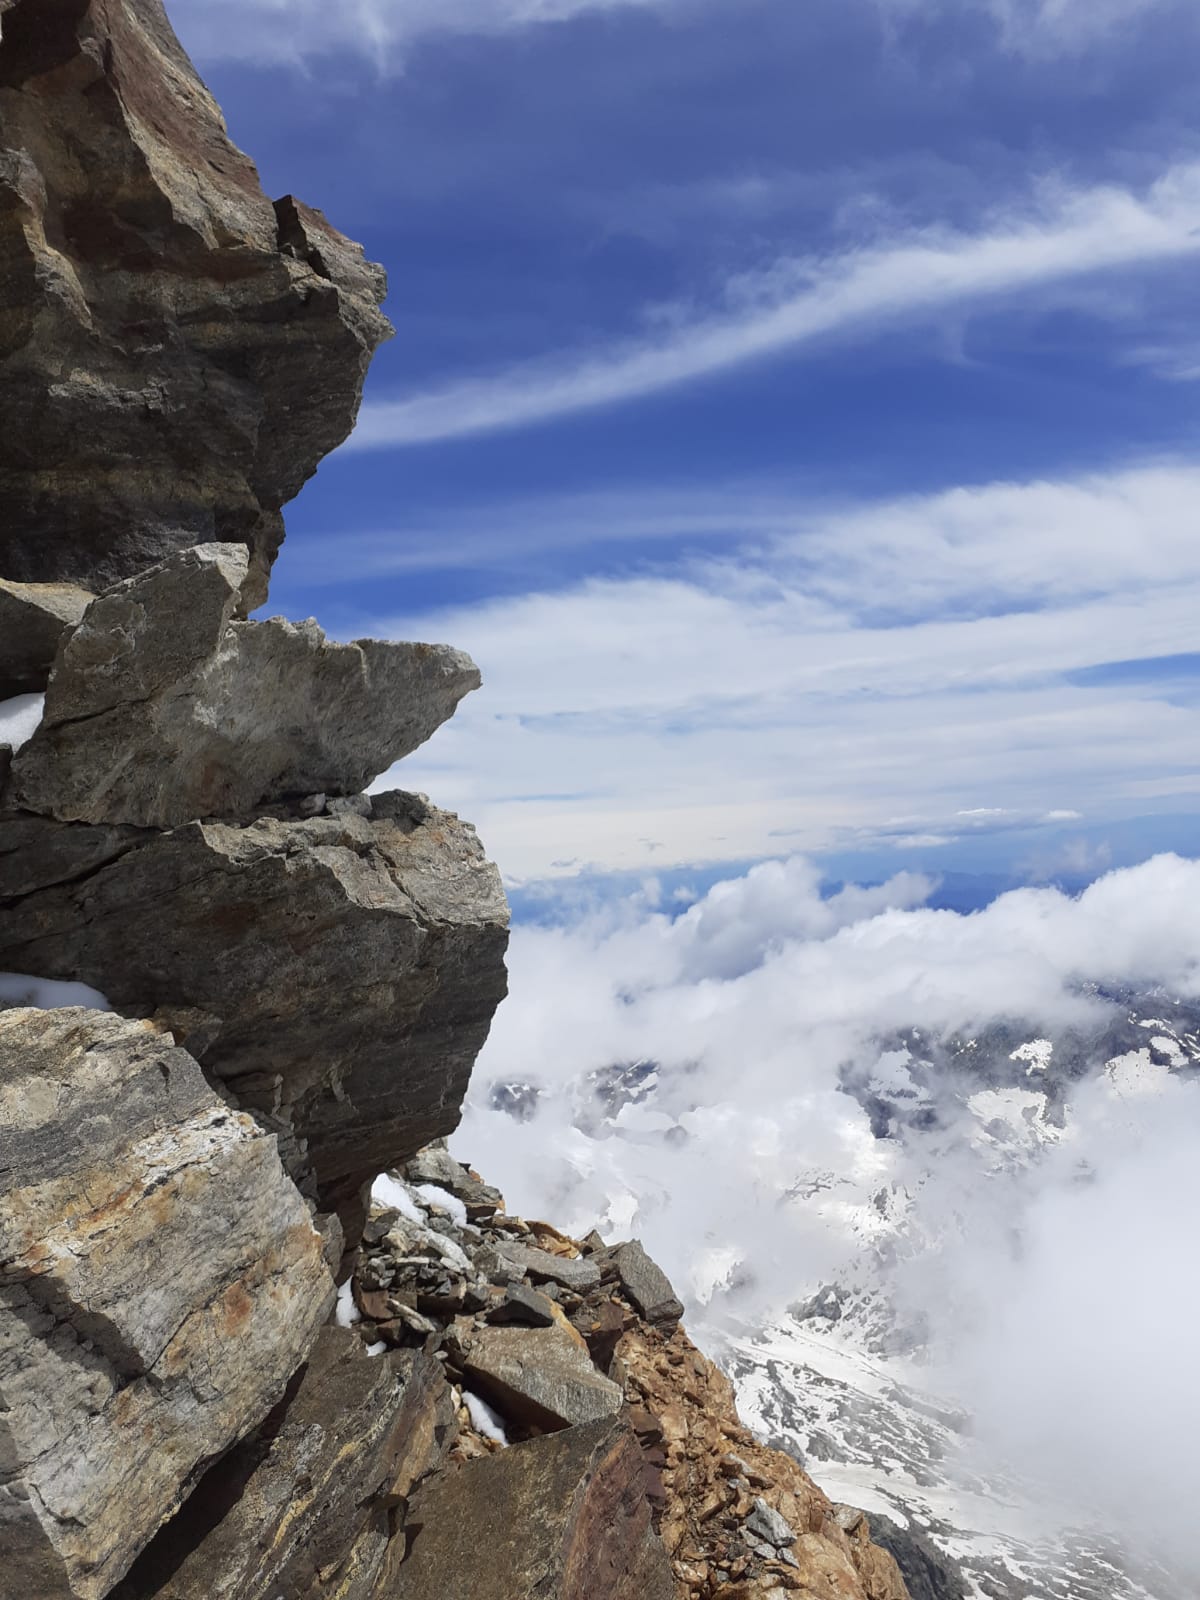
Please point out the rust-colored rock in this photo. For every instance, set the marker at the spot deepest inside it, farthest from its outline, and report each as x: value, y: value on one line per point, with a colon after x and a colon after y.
x: 177, y: 354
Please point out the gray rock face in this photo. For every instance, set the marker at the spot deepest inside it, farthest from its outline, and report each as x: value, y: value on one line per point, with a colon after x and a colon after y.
x: 349, y: 966
x: 646, y: 1284
x: 161, y: 710
x: 160, y: 1281
x: 303, y: 1510
x: 561, y: 1518
x: 538, y: 1377
x: 570, y: 1272
x: 33, y: 618
x: 176, y: 353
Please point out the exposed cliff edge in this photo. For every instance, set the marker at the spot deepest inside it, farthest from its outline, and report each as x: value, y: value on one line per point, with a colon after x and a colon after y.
x: 176, y: 353
x: 300, y: 974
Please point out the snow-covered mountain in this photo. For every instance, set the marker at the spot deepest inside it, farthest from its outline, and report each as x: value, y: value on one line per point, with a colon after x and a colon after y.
x: 853, y: 1375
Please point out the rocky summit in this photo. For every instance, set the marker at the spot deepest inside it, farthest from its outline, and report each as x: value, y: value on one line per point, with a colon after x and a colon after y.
x: 262, y: 1337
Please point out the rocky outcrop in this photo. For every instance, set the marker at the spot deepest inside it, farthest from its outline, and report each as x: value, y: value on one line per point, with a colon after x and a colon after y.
x: 160, y: 1281
x: 176, y: 353
x: 337, y: 974
x: 563, y: 1518
x: 305, y: 1508
x: 732, y: 1518
x: 161, y: 709
x: 33, y: 618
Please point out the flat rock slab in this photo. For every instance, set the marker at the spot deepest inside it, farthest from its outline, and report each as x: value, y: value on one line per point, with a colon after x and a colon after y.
x: 569, y: 1272
x: 560, y: 1518
x: 304, y: 1509
x: 538, y: 1377
x: 645, y: 1284
x: 161, y: 1280
x: 162, y: 709
x: 33, y: 618
x: 178, y: 352
x: 349, y: 967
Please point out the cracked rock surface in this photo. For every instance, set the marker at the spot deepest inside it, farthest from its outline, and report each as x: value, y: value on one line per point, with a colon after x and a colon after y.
x: 348, y: 966
x: 160, y: 1281
x: 177, y: 354
x: 162, y: 709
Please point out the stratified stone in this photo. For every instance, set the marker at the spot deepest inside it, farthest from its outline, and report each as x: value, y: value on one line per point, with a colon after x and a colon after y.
x: 161, y: 710
x: 436, y: 1165
x: 304, y: 1509
x: 569, y: 1272
x: 645, y: 1284
x: 562, y: 1518
x: 349, y: 966
x: 176, y: 353
x: 538, y: 1377
x: 33, y: 618
x: 160, y: 1281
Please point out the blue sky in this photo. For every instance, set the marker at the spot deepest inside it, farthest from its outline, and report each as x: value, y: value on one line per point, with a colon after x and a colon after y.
x: 793, y: 409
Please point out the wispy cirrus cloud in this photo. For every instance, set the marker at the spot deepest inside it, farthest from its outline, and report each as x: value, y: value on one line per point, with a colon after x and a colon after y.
x: 1064, y: 236
x: 293, y: 31
x: 953, y: 661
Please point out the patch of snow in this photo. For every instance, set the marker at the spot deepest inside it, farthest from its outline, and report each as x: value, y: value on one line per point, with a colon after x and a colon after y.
x: 390, y: 1192
x: 1171, y: 1049
x: 1135, y: 1073
x: 378, y: 1348
x: 483, y: 1419
x: 449, y: 1203
x: 19, y: 718
x: 346, y: 1312
x: 1037, y: 1053
x: 47, y: 994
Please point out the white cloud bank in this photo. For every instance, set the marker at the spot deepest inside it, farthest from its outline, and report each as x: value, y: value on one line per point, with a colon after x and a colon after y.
x: 296, y: 31
x: 876, y: 669
x: 1076, y: 1350
x: 1065, y: 236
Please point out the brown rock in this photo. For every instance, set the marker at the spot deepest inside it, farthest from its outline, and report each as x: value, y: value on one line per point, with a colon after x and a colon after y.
x: 537, y: 1377
x: 304, y: 1508
x: 562, y: 1518
x: 160, y: 1281
x: 177, y: 354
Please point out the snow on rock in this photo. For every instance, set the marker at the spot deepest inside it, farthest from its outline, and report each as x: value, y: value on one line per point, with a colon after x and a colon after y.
x: 19, y: 718
x: 390, y: 1192
x: 46, y: 994
x: 346, y: 1312
x: 449, y: 1203
x: 483, y: 1419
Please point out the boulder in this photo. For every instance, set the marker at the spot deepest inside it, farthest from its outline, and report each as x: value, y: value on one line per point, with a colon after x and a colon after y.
x: 523, y: 1305
x: 160, y: 1282
x: 538, y: 1377
x: 161, y: 710
x: 562, y: 1518
x: 645, y: 1284
x: 33, y: 618
x: 304, y: 1508
x: 347, y: 967
x: 570, y: 1272
x: 177, y: 354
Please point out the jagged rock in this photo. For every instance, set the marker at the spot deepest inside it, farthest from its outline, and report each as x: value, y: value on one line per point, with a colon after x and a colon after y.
x: 523, y: 1305
x: 573, y: 1273
x: 161, y: 710
x: 353, y: 963
x: 928, y: 1572
x: 538, y: 1377
x: 161, y: 1280
x: 562, y: 1518
x: 436, y: 1165
x: 303, y: 1509
x: 177, y: 354
x: 646, y: 1284
x: 33, y: 618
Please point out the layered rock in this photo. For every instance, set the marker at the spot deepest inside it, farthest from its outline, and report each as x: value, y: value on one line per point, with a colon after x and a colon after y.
x: 306, y: 1507
x: 160, y: 1281
x: 177, y: 354
x: 337, y: 973
x: 563, y: 1518
x: 161, y: 709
